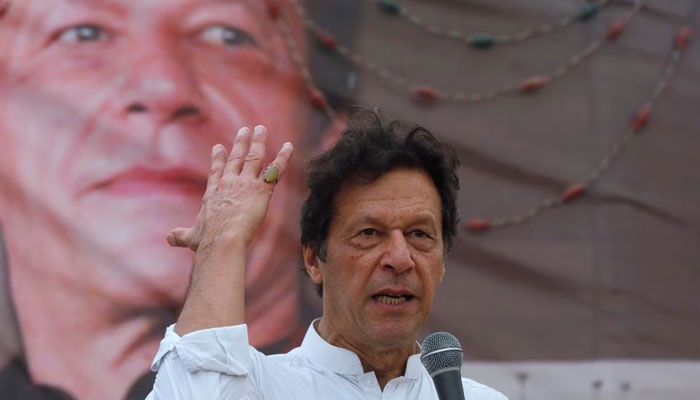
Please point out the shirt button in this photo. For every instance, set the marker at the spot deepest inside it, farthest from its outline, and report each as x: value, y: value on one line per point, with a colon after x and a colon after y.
x: 370, y: 382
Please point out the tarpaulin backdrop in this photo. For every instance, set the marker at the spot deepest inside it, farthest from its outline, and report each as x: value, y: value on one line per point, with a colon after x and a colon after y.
x: 610, y: 274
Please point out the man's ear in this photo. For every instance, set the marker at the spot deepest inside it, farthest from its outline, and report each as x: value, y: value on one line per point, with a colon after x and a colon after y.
x: 312, y: 265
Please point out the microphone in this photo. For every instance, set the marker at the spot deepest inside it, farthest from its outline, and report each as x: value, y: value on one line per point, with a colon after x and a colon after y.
x: 441, y: 354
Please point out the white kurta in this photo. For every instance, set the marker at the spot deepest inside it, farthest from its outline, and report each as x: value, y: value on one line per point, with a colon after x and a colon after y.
x: 219, y: 363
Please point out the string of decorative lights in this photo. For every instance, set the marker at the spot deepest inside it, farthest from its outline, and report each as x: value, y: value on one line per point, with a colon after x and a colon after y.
x: 528, y: 85
x: 574, y: 190
x: 485, y: 41
x: 316, y: 96
x: 578, y: 189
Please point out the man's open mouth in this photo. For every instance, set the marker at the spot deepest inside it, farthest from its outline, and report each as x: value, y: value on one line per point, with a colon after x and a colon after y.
x: 392, y: 299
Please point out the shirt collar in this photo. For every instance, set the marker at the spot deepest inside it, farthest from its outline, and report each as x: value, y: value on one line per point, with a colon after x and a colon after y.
x: 414, y: 367
x: 343, y: 361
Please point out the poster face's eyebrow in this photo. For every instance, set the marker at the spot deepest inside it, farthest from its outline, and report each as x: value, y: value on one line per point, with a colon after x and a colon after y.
x: 253, y: 5
x: 56, y: 11
x: 92, y: 4
x: 40, y: 12
x: 82, y: 3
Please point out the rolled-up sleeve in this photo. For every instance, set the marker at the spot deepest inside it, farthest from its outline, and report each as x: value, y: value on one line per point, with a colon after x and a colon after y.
x: 211, y: 364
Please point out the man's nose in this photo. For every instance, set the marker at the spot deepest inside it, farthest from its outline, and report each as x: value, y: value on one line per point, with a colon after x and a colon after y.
x: 397, y: 255
x: 162, y: 87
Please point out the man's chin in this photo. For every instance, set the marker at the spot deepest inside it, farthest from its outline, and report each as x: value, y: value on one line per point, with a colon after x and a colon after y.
x: 393, y: 333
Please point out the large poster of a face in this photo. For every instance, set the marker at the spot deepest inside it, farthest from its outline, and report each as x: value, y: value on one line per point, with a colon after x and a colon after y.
x: 108, y: 113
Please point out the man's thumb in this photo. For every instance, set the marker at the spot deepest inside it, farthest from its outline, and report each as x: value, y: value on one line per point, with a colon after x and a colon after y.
x: 179, y: 237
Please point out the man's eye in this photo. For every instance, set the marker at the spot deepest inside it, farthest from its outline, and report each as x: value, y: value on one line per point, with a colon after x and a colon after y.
x: 418, y: 234
x: 229, y: 36
x: 368, y: 232
x: 83, y: 33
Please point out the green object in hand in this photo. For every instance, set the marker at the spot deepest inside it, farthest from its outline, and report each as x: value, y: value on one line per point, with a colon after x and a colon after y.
x: 271, y: 174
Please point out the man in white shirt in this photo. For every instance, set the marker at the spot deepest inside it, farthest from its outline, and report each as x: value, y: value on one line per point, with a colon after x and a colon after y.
x: 376, y: 228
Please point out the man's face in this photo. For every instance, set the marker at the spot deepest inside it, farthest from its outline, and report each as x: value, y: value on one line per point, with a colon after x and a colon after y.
x: 385, y: 258
x: 108, y: 113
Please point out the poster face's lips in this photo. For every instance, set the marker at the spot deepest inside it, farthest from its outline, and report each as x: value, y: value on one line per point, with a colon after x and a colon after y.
x: 148, y: 180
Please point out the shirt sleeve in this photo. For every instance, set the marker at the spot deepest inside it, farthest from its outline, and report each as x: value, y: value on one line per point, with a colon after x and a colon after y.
x: 476, y: 391
x: 210, y: 364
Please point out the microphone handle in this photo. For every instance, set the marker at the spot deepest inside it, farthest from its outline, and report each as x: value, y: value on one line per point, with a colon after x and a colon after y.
x: 446, y: 387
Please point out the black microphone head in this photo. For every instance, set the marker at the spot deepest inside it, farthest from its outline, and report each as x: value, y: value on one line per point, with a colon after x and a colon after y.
x: 441, y: 351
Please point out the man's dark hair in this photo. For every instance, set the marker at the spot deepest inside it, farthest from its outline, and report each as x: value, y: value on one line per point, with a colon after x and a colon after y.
x: 370, y: 147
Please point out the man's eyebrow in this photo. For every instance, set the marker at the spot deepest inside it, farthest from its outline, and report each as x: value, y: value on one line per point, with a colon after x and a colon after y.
x: 420, y: 219
x: 366, y: 218
x: 424, y: 219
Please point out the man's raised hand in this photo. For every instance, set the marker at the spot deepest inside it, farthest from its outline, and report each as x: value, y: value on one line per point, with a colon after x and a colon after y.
x: 237, y: 195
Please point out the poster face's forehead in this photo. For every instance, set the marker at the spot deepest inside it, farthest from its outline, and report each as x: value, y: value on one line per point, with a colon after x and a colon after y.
x: 29, y: 8
x: 45, y: 5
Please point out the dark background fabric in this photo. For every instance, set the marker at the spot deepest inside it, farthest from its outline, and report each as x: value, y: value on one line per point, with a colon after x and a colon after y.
x: 612, y: 275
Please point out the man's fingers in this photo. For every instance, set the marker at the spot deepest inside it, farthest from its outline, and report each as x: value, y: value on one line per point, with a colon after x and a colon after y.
x: 282, y: 159
x: 218, y: 163
x: 253, y: 161
x: 238, y: 152
x: 180, y: 237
